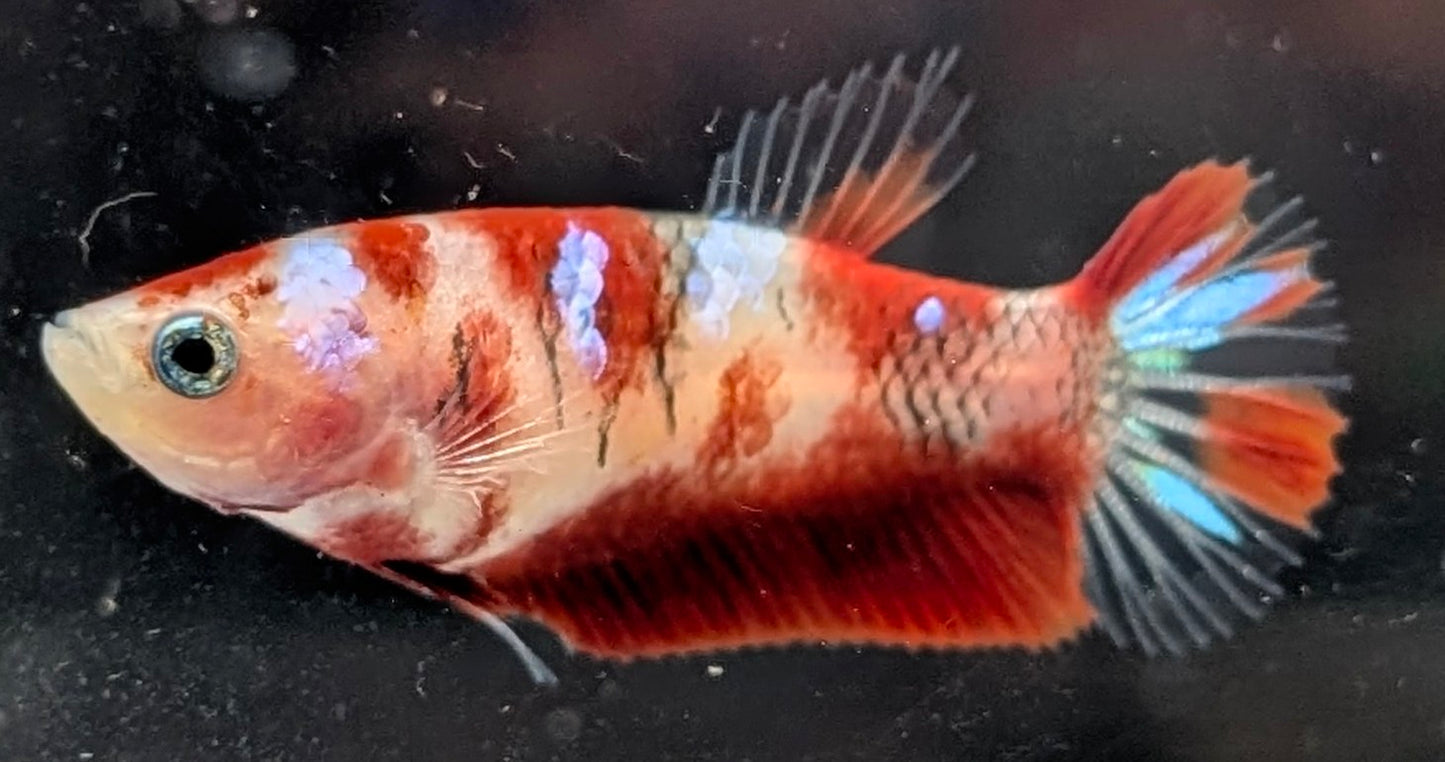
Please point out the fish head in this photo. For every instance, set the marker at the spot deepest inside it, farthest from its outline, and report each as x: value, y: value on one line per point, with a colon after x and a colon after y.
x: 248, y: 382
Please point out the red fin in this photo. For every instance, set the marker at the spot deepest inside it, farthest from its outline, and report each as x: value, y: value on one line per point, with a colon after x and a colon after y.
x: 833, y: 548
x: 868, y: 209
x: 1197, y: 202
x: 1272, y: 449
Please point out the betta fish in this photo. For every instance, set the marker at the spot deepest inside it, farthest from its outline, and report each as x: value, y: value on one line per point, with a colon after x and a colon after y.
x: 672, y: 432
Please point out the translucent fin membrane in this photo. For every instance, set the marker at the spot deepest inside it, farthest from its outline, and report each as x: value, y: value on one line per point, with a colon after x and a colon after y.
x: 852, y: 165
x: 1224, y: 432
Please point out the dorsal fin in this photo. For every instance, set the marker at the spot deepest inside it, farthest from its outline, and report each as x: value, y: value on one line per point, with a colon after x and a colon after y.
x: 853, y: 166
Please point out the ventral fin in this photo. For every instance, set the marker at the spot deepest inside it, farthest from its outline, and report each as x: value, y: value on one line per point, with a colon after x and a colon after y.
x: 852, y: 165
x: 462, y: 593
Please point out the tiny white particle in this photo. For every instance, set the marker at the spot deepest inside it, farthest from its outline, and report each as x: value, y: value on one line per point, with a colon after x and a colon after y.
x: 928, y: 317
x: 714, y: 670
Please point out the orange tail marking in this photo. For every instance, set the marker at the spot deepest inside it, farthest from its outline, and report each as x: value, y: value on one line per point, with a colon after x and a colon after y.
x: 1196, y: 203
x: 1287, y: 301
x: 1272, y: 449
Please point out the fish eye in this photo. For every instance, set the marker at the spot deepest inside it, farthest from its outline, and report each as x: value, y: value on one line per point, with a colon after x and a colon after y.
x: 194, y: 355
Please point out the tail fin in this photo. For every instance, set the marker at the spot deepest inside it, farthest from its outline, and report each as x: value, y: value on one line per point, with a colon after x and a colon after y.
x: 1223, y: 432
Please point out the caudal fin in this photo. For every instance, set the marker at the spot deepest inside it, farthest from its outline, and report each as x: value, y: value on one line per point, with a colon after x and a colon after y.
x: 1218, y: 398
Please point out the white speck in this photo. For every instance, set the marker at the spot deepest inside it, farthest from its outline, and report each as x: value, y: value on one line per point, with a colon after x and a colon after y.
x: 438, y: 96
x: 107, y: 604
x: 734, y: 263
x: 577, y: 283
x: 318, y: 286
x: 928, y: 317
x: 1377, y: 157
x: 714, y: 670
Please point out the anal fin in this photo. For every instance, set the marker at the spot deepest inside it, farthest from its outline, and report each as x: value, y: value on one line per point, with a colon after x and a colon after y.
x: 912, y: 555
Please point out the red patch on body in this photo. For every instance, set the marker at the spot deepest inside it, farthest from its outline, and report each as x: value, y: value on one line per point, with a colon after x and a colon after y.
x: 482, y: 352
x: 874, y: 303
x: 747, y: 410
x: 396, y: 256
x: 862, y: 539
x: 322, y: 430
x: 392, y: 467
x: 631, y: 314
x: 372, y: 538
x: 237, y: 265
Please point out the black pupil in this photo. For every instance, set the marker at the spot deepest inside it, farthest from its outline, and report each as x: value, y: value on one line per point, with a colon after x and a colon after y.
x: 194, y: 355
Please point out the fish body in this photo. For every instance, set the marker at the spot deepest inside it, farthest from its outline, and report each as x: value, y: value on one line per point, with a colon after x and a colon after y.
x: 667, y: 432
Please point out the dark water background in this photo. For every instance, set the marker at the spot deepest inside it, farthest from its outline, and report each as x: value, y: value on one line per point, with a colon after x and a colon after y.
x: 137, y: 626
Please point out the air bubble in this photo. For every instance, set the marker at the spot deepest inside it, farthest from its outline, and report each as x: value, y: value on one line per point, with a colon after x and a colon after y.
x: 564, y: 725
x: 218, y: 12
x: 247, y: 64
x: 160, y: 14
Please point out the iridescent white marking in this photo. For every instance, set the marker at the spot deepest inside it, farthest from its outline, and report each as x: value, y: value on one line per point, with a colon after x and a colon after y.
x: 318, y: 287
x: 928, y: 318
x: 577, y: 285
x: 733, y: 264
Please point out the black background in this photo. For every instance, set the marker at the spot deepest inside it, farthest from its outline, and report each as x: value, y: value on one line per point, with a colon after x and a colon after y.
x: 135, y: 625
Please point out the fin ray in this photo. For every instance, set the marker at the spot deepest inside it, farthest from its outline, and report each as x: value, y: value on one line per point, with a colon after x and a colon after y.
x: 864, y: 161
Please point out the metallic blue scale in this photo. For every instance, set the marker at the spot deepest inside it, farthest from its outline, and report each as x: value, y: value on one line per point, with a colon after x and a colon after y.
x: 928, y: 317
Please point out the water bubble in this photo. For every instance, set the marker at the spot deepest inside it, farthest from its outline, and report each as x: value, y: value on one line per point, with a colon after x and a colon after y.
x: 247, y: 64
x: 160, y: 14
x: 108, y: 604
x: 564, y: 725
x: 217, y: 12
